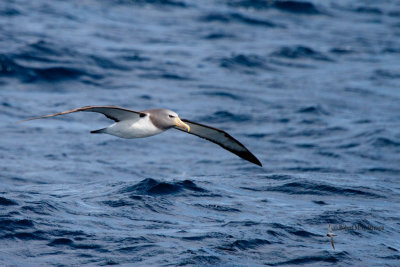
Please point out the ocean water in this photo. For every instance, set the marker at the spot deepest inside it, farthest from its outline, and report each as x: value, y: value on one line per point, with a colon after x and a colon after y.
x: 312, y: 88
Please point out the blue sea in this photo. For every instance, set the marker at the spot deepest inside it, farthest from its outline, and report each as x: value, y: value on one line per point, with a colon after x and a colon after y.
x: 311, y: 87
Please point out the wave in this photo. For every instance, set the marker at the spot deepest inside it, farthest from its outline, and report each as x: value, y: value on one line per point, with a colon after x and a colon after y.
x: 219, y: 35
x: 338, y: 216
x: 382, y: 170
x: 289, y: 230
x: 384, y: 142
x: 11, y: 69
x: 42, y: 207
x: 10, y: 224
x: 9, y: 12
x: 221, y: 208
x: 36, y: 235
x: 297, y: 7
x: 244, y: 61
x: 310, y: 188
x: 317, y: 110
x: 258, y: 135
x: 211, y: 235
x: 342, y: 50
x: 51, y: 62
x: 66, y: 242
x: 238, y: 18
x: 7, y: 202
x: 386, y: 74
x: 242, y: 244
x: 165, y: 3
x: 136, y: 248
x: 201, y: 260
x: 166, y: 75
x: 368, y: 10
x: 151, y: 186
x: 226, y: 116
x: 317, y: 258
x: 222, y: 95
x: 299, y: 52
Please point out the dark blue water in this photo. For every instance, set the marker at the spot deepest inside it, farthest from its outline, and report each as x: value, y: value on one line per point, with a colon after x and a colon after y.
x: 312, y: 88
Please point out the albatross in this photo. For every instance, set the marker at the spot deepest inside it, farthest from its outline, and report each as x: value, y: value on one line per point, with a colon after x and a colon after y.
x: 138, y: 124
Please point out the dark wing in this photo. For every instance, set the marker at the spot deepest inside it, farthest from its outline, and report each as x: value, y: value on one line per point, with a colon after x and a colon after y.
x: 111, y: 112
x: 332, y: 243
x: 221, y: 138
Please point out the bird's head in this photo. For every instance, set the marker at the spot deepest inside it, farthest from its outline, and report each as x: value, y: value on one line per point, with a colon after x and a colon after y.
x: 165, y: 119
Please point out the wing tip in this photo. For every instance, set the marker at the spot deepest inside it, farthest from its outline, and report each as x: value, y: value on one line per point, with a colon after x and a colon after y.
x: 30, y: 119
x: 249, y: 157
x: 255, y: 160
x: 242, y: 152
x: 258, y: 163
x: 21, y: 121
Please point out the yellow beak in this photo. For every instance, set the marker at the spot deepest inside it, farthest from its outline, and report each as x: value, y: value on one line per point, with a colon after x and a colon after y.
x: 181, y: 124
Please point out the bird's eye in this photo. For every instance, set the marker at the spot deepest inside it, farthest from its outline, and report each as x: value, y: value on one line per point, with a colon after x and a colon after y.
x: 171, y: 116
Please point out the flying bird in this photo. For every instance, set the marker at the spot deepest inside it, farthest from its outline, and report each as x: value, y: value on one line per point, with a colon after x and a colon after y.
x: 331, y: 235
x: 137, y: 124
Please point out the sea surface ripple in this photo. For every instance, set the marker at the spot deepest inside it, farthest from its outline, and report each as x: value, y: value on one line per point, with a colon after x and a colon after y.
x: 310, y: 87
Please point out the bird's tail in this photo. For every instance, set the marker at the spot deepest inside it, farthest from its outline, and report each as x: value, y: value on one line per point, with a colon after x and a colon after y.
x: 98, y: 131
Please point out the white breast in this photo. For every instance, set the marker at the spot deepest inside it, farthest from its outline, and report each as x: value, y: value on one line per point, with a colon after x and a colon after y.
x: 133, y: 128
